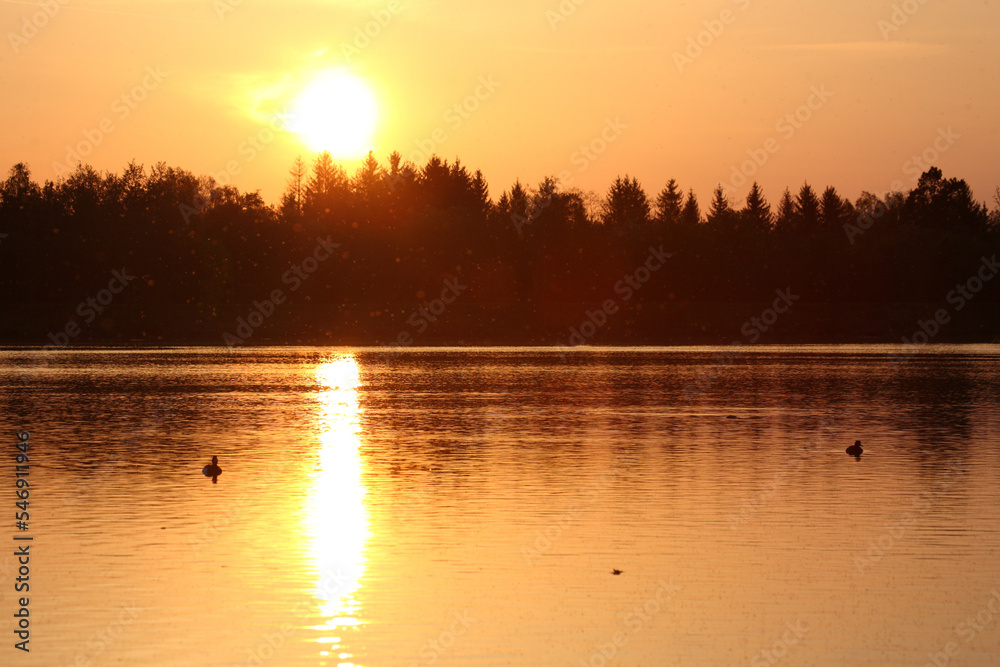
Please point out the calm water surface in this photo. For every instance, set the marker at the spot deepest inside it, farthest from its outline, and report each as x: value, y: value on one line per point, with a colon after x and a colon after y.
x: 467, y: 507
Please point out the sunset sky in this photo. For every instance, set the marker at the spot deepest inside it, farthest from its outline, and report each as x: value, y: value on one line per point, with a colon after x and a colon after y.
x: 200, y: 79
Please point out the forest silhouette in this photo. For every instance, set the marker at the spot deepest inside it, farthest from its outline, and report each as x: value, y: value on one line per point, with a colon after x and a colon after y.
x: 399, y: 254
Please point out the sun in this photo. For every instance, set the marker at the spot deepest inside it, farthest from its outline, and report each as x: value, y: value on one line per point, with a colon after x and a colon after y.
x: 335, y: 112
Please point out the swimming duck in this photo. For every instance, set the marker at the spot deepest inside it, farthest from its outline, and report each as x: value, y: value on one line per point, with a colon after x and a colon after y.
x: 616, y: 571
x: 212, y: 469
x: 855, y: 449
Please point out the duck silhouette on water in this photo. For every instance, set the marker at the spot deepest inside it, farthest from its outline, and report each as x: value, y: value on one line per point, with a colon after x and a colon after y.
x: 212, y: 470
x: 855, y: 450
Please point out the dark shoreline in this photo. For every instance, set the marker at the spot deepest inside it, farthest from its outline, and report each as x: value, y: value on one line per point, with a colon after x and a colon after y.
x: 638, y: 324
x: 424, y: 256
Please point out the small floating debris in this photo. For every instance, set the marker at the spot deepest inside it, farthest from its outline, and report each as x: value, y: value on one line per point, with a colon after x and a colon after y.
x: 616, y: 571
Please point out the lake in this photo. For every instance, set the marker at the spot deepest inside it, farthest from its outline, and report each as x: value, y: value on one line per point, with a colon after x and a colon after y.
x: 468, y: 506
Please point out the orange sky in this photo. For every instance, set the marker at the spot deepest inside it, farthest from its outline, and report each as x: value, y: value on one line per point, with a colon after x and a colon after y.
x: 201, y: 78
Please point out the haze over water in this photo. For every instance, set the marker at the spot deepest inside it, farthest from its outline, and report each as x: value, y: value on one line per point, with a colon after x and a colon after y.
x: 468, y: 506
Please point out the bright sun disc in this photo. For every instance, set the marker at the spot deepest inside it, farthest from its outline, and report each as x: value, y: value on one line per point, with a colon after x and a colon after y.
x: 336, y: 112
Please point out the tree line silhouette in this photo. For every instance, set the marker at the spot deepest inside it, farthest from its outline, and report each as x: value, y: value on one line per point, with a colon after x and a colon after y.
x: 531, y: 263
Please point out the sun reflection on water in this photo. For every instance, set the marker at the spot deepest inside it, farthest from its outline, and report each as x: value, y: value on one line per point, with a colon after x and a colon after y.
x: 337, y: 517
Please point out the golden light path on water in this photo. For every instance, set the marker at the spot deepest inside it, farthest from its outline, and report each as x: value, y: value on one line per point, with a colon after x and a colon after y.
x: 337, y: 518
